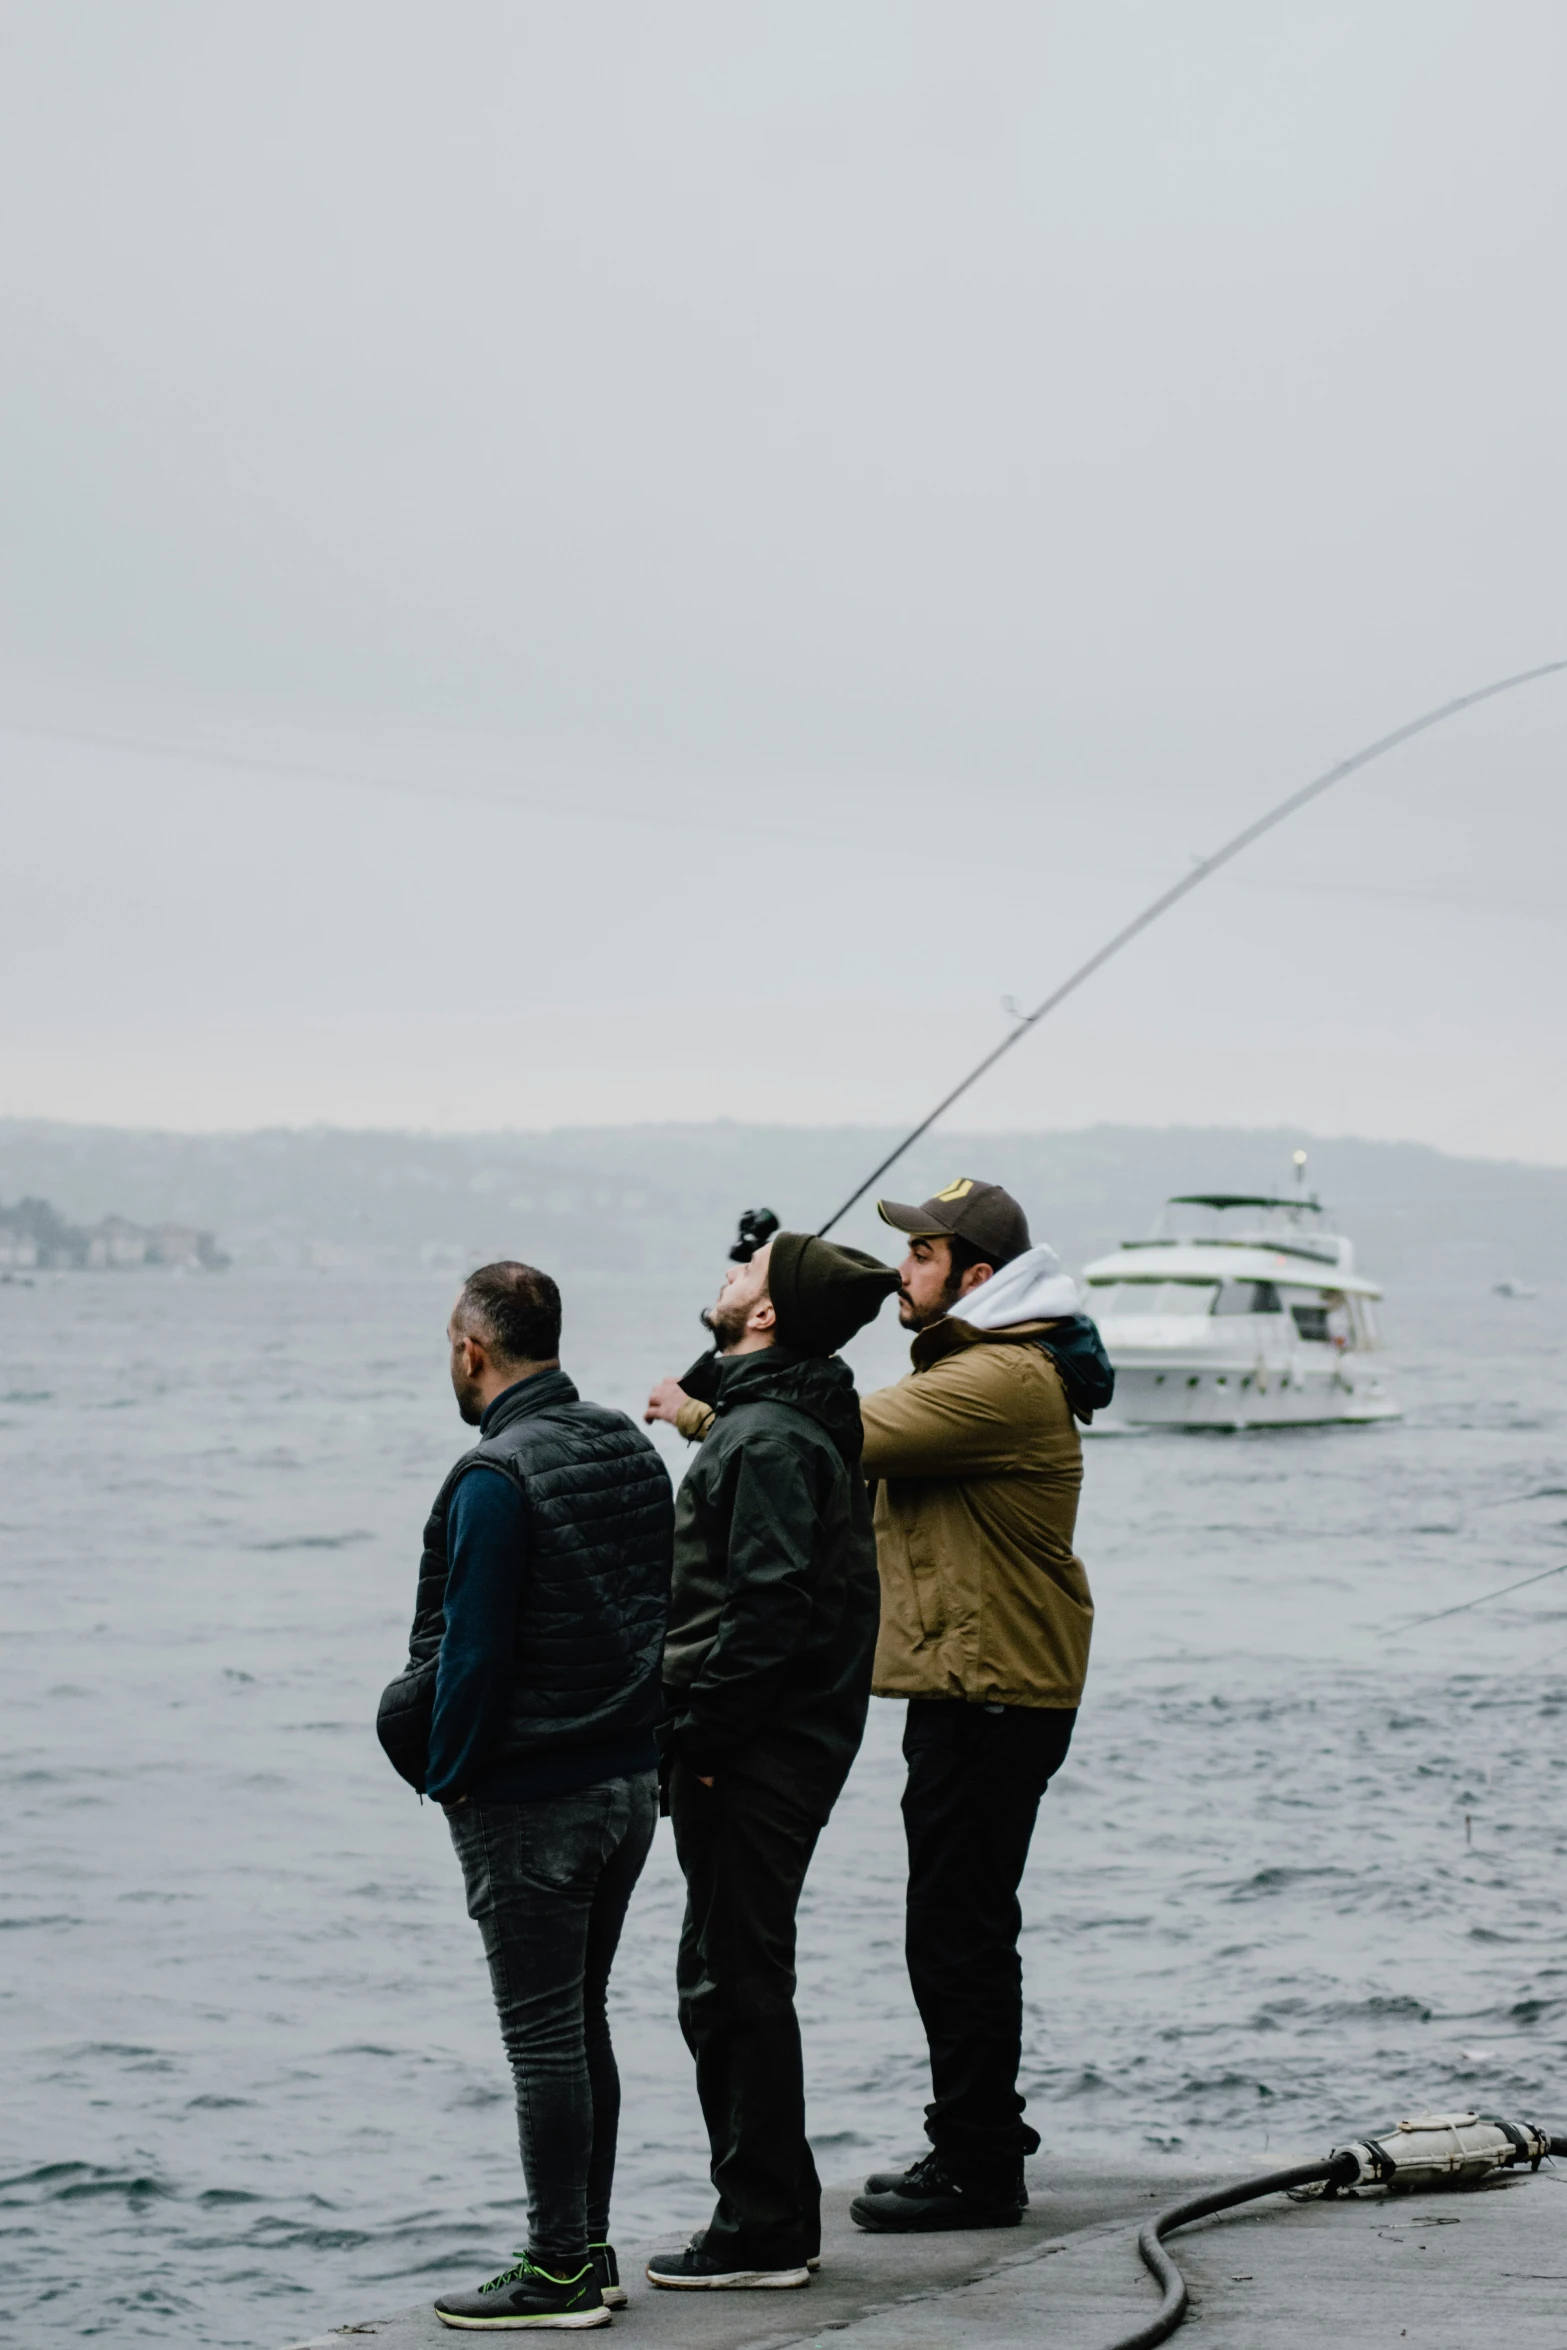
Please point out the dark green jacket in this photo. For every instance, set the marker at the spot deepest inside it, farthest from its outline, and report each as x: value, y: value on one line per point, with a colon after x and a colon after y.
x: 773, y: 1613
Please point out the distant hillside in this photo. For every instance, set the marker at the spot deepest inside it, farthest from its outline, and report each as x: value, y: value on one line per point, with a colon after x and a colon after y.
x: 653, y: 1198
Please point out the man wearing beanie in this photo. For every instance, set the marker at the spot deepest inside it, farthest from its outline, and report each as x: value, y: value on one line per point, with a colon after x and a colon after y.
x: 767, y: 1671
x: 976, y: 1466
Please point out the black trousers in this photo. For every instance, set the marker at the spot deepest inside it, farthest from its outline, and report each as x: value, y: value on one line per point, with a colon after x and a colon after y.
x: 975, y: 1779
x: 744, y: 1847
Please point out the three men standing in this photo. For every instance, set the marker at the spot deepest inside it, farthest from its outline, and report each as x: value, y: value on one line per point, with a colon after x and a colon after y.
x: 540, y: 1661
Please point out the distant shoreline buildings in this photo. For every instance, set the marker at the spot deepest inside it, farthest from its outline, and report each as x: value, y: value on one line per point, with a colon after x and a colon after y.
x: 34, y: 1237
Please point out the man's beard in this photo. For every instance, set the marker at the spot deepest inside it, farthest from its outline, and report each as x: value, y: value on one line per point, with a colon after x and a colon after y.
x: 470, y: 1404
x: 921, y: 1318
x: 726, y: 1322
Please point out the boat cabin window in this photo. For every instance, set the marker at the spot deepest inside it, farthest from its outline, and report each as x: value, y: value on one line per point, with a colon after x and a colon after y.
x: 1321, y: 1314
x: 1151, y: 1297
x: 1249, y: 1297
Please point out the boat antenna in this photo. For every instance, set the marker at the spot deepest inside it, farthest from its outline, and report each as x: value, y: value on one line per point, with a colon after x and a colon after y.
x: 1024, y: 1021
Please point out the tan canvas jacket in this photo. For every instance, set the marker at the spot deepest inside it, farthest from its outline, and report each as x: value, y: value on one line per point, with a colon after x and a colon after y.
x: 977, y: 1465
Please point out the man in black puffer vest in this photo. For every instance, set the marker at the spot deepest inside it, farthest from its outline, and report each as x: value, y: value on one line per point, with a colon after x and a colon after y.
x: 767, y: 1676
x: 537, y: 1646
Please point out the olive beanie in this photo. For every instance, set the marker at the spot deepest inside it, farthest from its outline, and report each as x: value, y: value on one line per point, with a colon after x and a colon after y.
x: 822, y: 1293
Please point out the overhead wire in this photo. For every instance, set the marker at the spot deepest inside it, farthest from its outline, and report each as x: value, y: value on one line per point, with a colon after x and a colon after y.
x: 522, y: 803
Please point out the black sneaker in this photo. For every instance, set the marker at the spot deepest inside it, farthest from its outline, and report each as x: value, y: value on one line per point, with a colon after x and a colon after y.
x: 696, y: 2270
x: 607, y: 2269
x: 528, y: 2295
x: 929, y: 2196
x: 888, y: 2182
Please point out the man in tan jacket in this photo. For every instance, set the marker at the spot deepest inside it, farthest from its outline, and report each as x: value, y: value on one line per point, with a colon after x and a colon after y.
x: 976, y: 1465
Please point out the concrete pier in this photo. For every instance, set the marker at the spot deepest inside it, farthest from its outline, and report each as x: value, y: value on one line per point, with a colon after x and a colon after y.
x: 1277, y: 2276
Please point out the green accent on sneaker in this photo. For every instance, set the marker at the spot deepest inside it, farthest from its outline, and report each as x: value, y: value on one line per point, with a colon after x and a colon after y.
x: 531, y: 2268
x: 508, y: 2276
x: 527, y: 2296
x: 607, y: 2269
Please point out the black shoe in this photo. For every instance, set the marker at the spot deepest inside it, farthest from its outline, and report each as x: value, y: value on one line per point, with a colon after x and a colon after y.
x: 928, y: 2195
x: 607, y: 2269
x: 528, y: 2295
x: 698, y: 2270
x: 891, y: 2181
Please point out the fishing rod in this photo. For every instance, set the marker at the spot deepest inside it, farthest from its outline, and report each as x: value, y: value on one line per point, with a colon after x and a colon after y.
x: 1162, y: 904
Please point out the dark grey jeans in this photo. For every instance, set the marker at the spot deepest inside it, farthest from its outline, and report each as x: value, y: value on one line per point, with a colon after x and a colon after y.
x: 548, y: 1884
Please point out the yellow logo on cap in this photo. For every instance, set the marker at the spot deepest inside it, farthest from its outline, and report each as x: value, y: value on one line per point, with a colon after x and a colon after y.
x: 959, y: 1190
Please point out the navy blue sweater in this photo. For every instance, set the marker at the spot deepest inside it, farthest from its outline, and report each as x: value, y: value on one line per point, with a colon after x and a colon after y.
x: 487, y: 1551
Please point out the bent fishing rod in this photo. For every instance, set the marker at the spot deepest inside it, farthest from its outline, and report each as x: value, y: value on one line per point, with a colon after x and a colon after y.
x: 1200, y: 872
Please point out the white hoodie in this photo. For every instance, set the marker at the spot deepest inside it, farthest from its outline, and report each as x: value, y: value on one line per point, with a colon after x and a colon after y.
x: 1032, y: 1288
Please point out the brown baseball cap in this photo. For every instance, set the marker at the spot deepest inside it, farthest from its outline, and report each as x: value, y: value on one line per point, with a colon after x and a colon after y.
x: 980, y: 1213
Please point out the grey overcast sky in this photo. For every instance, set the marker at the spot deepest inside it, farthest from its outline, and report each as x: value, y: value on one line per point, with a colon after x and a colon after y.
x: 603, y: 561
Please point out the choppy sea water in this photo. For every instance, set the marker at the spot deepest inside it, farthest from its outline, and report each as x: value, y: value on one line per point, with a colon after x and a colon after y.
x: 1303, y: 1872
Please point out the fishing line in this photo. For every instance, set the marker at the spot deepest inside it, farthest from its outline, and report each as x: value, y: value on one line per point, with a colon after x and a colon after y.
x: 1183, y: 888
x: 1544, y: 1576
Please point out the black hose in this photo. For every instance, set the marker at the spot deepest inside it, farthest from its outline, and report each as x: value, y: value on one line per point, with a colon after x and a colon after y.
x: 1157, y: 2261
x: 1341, y: 2169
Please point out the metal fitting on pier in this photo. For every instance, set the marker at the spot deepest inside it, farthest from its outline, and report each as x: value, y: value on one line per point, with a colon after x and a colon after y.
x: 1439, y: 2150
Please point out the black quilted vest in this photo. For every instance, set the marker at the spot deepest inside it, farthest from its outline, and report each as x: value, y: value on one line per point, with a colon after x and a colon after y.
x: 590, y: 1631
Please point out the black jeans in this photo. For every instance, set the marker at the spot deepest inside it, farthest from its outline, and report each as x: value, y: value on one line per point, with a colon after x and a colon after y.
x: 745, y: 1847
x: 548, y: 1884
x: 974, y: 1784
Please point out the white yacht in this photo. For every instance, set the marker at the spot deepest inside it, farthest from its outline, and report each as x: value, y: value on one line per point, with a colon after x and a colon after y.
x: 1239, y: 1312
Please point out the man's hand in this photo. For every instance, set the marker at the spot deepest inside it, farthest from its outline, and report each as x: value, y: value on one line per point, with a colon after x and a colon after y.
x: 665, y: 1401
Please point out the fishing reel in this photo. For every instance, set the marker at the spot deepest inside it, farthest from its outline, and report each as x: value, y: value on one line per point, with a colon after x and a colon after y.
x: 757, y: 1226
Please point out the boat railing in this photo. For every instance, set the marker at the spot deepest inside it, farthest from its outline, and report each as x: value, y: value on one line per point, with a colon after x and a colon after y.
x: 1326, y: 1255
